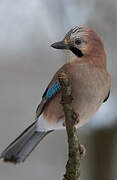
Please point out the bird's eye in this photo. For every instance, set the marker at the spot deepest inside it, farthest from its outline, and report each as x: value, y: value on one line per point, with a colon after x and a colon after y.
x: 78, y: 41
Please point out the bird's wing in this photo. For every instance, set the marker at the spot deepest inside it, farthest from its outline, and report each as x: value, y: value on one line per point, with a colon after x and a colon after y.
x: 52, y: 90
x: 49, y: 93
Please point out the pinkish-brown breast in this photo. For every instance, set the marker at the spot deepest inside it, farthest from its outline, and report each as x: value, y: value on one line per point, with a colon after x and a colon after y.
x: 90, y: 86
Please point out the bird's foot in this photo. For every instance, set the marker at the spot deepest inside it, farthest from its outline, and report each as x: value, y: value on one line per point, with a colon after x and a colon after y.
x: 82, y: 150
x: 76, y: 118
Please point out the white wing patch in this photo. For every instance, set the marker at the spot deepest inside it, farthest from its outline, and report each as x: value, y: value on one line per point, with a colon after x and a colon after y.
x: 44, y: 125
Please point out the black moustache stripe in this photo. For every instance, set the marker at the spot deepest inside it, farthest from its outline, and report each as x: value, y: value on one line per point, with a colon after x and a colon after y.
x: 76, y: 51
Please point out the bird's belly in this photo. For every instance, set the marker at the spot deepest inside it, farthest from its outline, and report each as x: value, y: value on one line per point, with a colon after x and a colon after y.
x: 88, y: 99
x: 86, y: 102
x: 87, y: 105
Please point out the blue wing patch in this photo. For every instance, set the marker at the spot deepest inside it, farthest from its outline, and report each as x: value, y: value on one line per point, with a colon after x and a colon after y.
x: 52, y: 90
x: 48, y: 94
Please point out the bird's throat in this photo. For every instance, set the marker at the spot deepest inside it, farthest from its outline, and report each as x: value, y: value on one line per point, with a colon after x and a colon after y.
x: 70, y: 56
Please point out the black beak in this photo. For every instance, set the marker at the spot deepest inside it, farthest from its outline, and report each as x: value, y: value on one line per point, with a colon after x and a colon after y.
x: 60, y: 45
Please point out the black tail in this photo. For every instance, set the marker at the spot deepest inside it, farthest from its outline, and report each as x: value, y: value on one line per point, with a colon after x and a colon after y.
x: 21, y: 147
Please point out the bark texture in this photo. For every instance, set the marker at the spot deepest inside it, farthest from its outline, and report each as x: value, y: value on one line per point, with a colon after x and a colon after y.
x: 74, y: 148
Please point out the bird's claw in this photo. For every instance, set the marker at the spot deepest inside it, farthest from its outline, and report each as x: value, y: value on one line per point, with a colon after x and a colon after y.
x: 82, y: 150
x: 76, y: 118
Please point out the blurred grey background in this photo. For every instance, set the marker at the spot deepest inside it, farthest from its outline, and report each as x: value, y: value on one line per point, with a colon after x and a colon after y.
x: 27, y: 63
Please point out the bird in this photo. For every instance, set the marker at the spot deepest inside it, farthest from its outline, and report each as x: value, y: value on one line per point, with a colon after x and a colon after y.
x: 86, y: 68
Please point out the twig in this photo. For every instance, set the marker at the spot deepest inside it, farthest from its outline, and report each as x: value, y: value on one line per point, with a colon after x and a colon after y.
x: 74, y: 157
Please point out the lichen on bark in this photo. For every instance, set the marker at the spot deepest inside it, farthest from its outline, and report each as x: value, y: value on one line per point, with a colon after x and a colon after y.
x: 74, y: 148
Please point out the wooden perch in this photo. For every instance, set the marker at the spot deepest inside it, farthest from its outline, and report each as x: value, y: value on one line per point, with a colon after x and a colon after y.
x: 74, y: 156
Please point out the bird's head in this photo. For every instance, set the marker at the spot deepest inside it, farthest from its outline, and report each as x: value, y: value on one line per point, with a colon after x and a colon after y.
x: 81, y: 41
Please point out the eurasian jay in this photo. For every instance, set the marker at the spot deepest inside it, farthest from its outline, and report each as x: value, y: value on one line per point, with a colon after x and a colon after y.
x: 90, y: 81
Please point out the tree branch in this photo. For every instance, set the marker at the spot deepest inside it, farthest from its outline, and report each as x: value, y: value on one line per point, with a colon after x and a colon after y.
x: 74, y: 156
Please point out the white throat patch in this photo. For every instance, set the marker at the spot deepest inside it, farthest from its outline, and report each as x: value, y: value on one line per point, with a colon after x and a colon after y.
x: 70, y: 56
